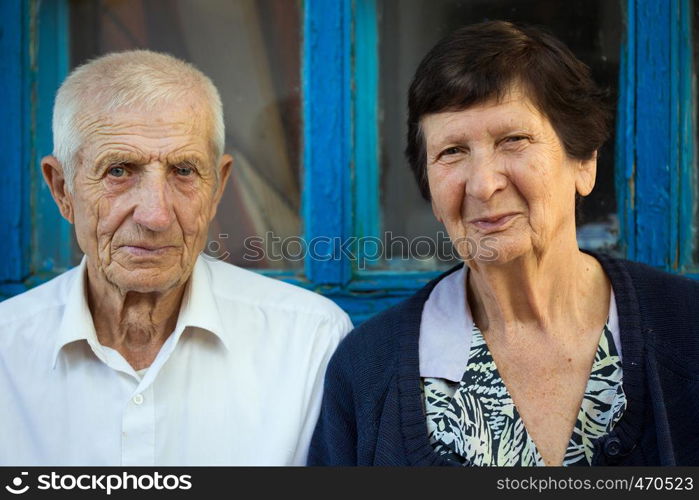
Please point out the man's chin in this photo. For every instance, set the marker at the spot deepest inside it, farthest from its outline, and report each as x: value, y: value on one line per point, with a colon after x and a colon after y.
x: 147, y: 280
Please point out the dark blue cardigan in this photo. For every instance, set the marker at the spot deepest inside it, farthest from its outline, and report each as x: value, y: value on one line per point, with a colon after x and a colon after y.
x: 372, y: 411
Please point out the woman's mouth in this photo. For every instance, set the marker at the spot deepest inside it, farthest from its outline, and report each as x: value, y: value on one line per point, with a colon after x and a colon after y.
x: 493, y: 223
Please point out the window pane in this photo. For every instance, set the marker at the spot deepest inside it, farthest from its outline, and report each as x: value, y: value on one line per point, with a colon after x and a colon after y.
x: 408, y: 29
x: 251, y: 51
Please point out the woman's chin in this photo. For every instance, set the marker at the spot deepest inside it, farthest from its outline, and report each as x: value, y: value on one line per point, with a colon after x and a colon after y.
x: 496, y: 251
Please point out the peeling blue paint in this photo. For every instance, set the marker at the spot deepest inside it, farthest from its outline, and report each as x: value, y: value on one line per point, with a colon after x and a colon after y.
x: 687, y: 177
x: 14, y: 141
x: 664, y: 135
x: 367, y: 209
x: 654, y: 152
x: 625, y: 136
x: 327, y: 134
x: 51, y: 234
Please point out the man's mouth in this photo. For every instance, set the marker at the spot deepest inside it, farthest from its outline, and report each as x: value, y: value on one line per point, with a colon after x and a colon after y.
x: 147, y: 250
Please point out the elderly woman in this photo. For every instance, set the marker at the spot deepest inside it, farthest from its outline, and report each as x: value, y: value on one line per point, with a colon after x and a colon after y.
x: 532, y: 352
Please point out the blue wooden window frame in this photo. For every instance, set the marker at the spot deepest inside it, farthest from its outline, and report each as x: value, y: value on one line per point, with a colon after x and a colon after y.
x: 655, y: 152
x: 655, y: 165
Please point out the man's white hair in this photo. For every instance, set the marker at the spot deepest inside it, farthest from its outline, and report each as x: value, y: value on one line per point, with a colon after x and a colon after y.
x: 137, y: 79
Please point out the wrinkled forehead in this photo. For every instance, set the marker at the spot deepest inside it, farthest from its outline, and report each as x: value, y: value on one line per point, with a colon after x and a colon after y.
x: 513, y: 107
x: 515, y: 92
x: 181, y: 124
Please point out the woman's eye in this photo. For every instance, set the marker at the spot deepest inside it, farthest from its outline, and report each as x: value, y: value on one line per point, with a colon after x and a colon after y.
x: 515, y: 138
x: 117, y: 171
x: 454, y: 150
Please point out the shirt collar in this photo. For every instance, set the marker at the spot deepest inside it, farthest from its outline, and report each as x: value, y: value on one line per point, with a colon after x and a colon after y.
x: 198, y: 309
x: 76, y: 323
x: 446, y: 328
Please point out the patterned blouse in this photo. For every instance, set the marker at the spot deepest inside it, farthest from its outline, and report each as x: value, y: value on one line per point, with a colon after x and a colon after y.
x: 475, y: 421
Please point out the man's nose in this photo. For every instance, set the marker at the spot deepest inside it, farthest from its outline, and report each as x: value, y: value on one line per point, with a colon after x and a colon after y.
x: 154, y: 208
x: 484, y: 176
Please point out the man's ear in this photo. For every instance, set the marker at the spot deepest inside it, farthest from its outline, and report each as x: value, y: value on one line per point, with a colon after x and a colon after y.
x: 55, y: 178
x: 224, y: 171
x: 585, y: 175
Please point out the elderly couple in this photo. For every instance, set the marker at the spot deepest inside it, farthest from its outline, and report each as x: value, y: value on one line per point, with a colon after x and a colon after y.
x: 149, y: 354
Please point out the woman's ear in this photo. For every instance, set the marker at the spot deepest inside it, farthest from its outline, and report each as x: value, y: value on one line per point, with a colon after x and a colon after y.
x: 586, y: 174
x: 436, y: 213
x: 55, y: 178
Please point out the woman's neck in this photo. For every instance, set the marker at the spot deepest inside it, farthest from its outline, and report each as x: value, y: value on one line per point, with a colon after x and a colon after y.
x: 553, y: 293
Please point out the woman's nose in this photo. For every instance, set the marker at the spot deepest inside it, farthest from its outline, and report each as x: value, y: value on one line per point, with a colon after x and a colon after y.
x: 484, y: 176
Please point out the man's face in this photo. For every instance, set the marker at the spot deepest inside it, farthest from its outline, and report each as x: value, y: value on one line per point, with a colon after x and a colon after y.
x: 145, y: 191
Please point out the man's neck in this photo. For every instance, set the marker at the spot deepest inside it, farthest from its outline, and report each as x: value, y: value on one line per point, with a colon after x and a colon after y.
x: 135, y: 324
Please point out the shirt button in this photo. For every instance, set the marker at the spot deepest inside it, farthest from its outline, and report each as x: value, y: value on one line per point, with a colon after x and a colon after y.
x: 612, y: 448
x: 138, y: 399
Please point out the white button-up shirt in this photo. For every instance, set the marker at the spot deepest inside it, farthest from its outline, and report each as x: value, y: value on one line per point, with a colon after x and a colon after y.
x: 238, y: 382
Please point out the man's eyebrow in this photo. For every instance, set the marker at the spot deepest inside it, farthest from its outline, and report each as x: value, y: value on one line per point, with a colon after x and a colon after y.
x: 115, y: 158
x: 120, y: 158
x: 187, y: 160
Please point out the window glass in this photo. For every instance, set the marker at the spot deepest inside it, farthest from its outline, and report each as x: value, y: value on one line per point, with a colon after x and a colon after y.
x: 407, y: 30
x: 251, y: 51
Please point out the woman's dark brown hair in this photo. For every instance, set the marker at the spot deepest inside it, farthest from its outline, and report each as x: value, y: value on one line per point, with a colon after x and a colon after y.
x: 483, y: 61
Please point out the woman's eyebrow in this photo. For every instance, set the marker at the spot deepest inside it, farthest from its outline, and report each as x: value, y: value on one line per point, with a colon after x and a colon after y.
x: 455, y: 137
x: 450, y: 138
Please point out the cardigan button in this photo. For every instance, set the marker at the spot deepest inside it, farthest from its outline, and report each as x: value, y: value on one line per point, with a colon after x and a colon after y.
x: 612, y: 447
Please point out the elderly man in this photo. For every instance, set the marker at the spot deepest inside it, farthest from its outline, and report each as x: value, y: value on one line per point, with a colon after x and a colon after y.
x: 148, y: 353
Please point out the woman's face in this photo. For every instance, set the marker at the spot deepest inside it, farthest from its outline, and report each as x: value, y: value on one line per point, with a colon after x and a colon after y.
x: 501, y: 181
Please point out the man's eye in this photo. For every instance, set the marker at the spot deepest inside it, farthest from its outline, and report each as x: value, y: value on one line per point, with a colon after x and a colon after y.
x: 117, y: 171
x: 184, y: 171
